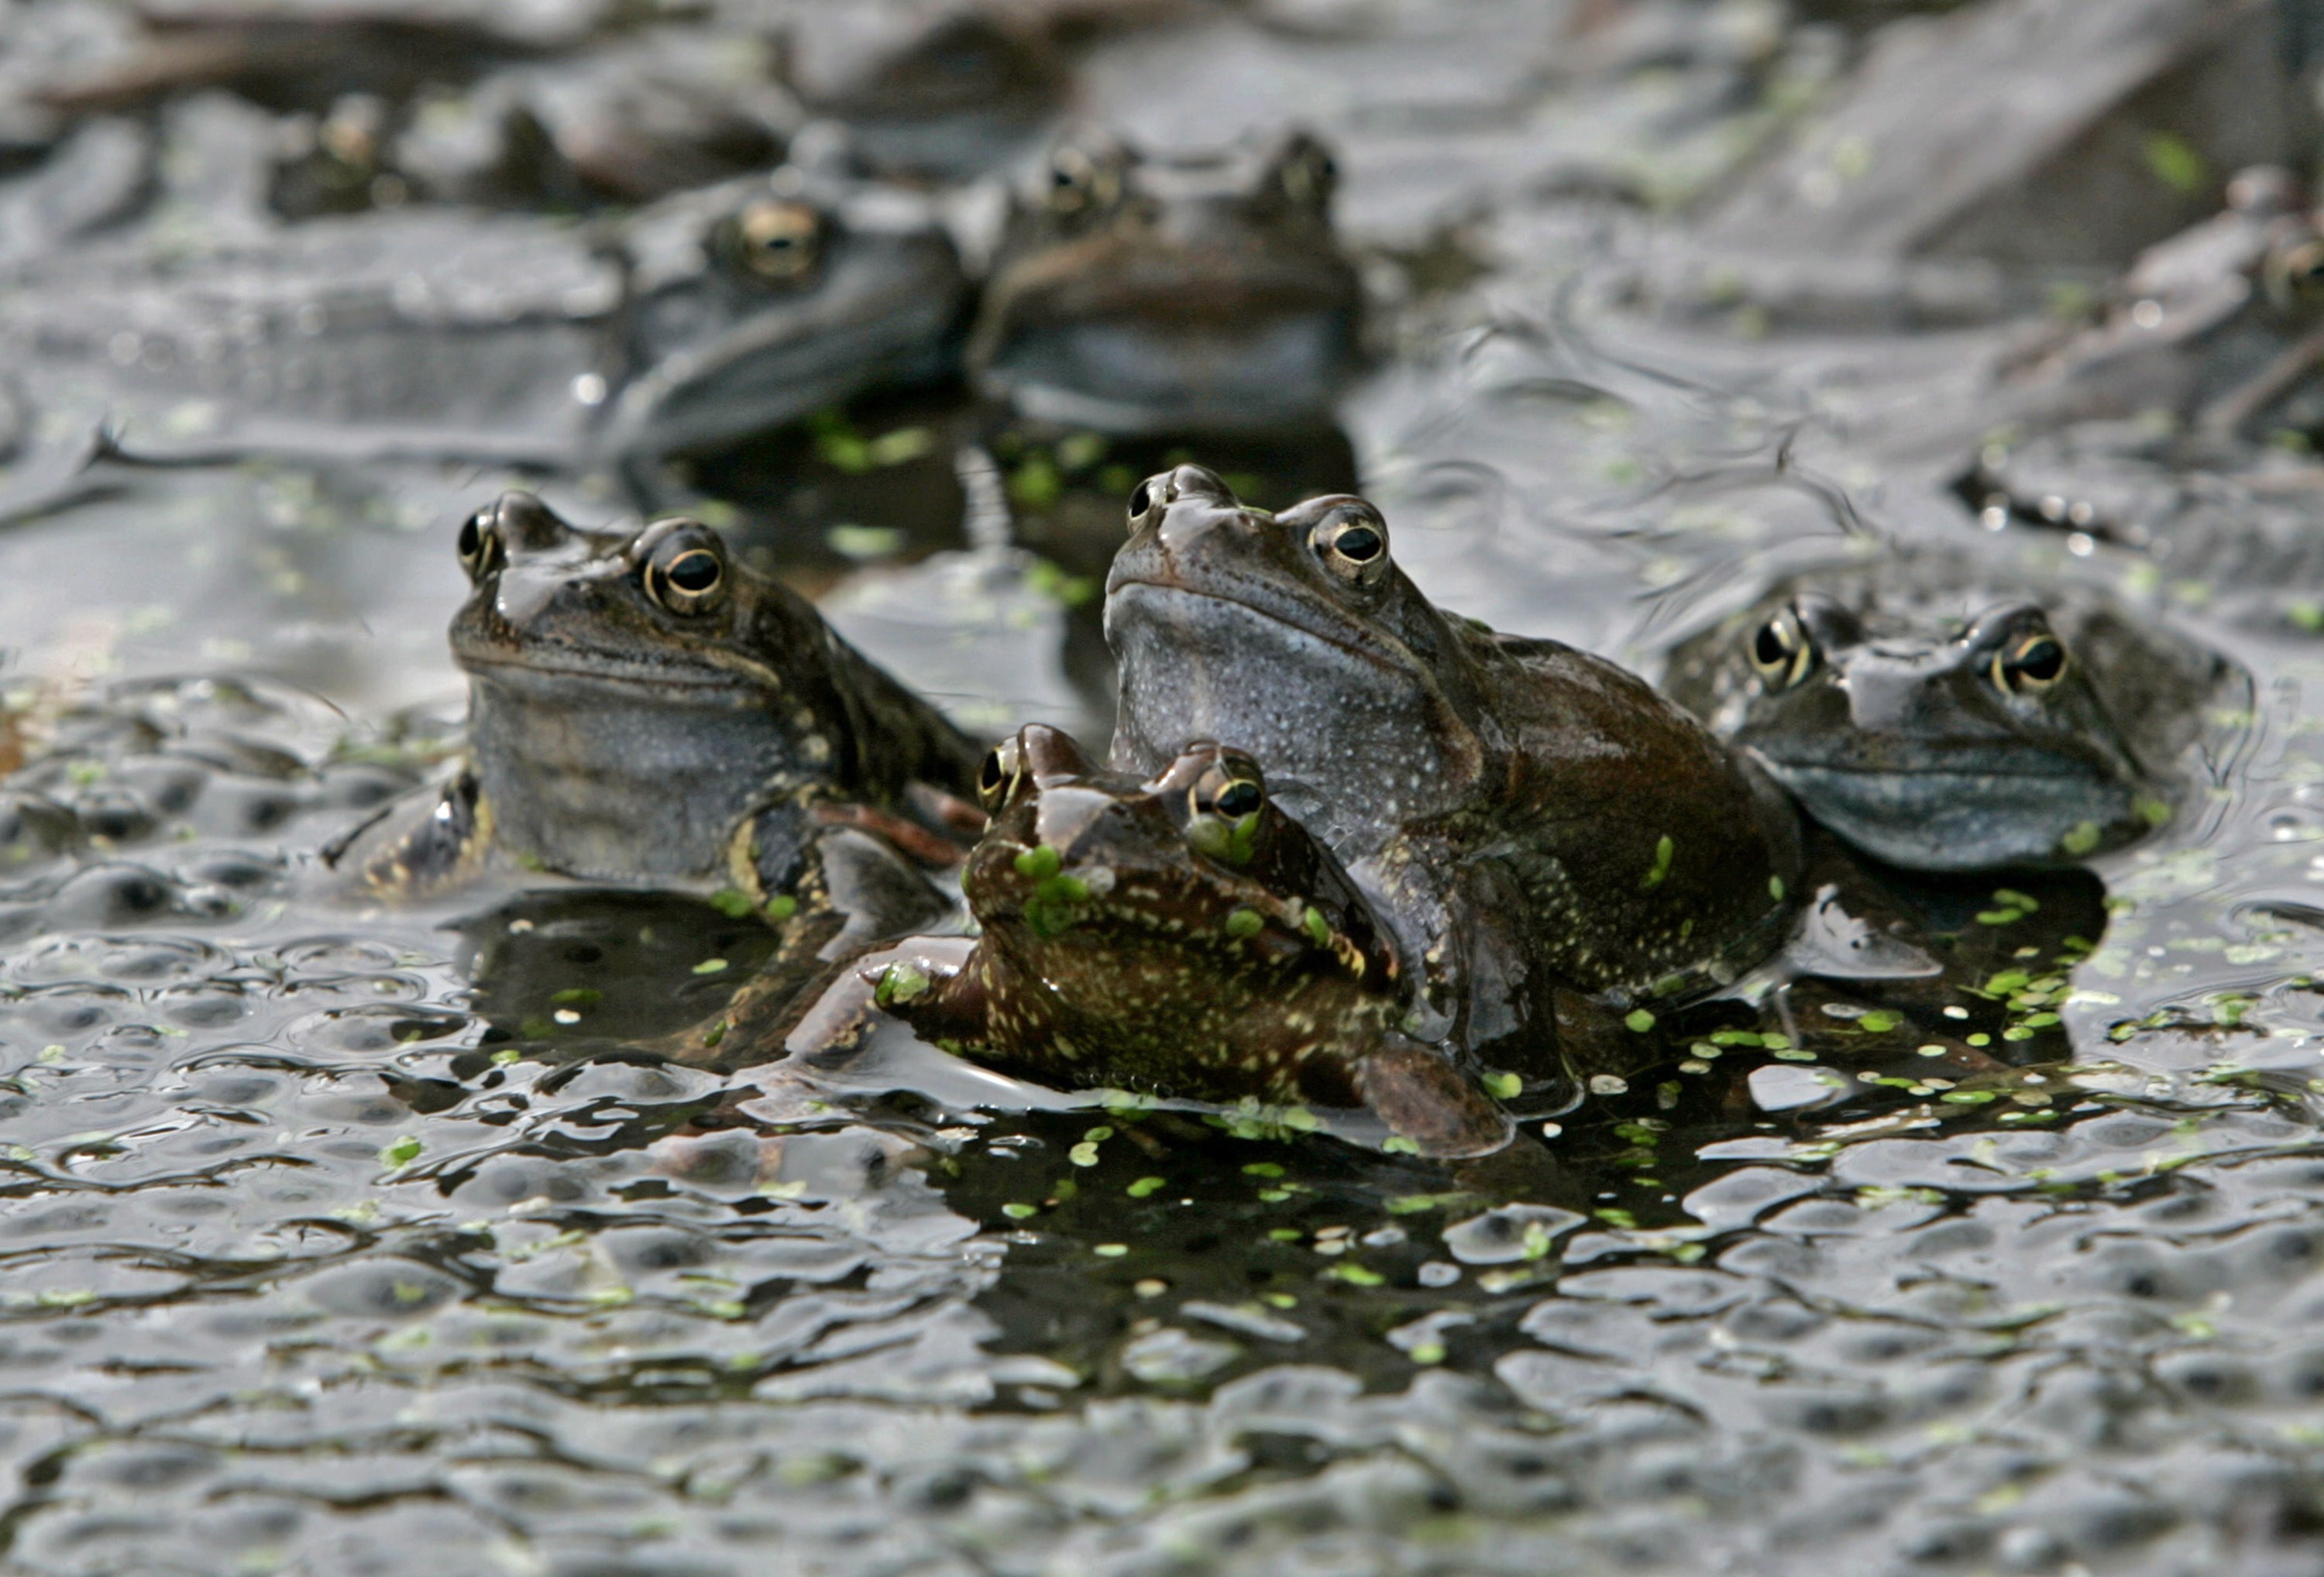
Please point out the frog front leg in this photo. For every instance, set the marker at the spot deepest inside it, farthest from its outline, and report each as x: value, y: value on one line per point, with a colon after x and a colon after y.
x: 924, y: 981
x: 1505, y: 1001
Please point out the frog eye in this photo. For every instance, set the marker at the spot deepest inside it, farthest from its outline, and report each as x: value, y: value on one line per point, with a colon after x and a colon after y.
x: 1781, y: 654
x: 687, y: 571
x: 1148, y: 499
x: 777, y: 243
x: 1226, y: 800
x: 1237, y: 798
x: 1232, y: 787
x: 1308, y: 173
x: 2299, y: 272
x: 997, y: 779
x: 1353, y: 543
x: 480, y: 547
x: 2029, y: 665
x: 1077, y: 181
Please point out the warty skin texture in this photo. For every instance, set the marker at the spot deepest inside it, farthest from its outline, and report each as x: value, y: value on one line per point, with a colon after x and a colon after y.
x: 1527, y: 817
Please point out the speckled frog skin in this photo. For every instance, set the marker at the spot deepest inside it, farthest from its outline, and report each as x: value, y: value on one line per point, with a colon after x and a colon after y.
x: 1936, y: 716
x: 1524, y: 814
x: 1203, y: 292
x: 1179, y: 934
x: 644, y: 709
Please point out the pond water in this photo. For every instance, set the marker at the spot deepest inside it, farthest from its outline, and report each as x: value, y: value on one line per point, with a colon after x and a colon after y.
x: 344, y: 1238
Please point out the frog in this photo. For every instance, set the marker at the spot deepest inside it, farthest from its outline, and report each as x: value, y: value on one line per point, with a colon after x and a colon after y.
x: 753, y: 304
x: 2218, y: 326
x: 1937, y: 714
x: 646, y: 710
x: 1529, y: 819
x: 1177, y: 934
x: 631, y: 119
x: 570, y: 138
x: 507, y: 338
x: 1134, y: 294
x: 945, y: 91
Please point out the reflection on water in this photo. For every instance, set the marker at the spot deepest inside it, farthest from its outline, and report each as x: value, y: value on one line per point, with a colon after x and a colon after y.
x: 343, y: 1238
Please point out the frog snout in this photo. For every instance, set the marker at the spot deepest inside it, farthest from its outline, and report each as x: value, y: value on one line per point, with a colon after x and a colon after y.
x: 1887, y: 695
x: 526, y: 525
x: 1066, y: 814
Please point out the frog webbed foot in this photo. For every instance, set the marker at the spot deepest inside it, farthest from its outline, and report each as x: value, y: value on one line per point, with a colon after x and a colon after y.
x: 1416, y: 1091
x: 416, y: 846
x: 875, y: 890
x: 1506, y: 1004
x: 772, y: 854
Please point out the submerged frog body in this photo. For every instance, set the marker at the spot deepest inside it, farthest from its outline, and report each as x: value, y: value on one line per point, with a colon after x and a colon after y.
x: 948, y: 90
x: 1526, y: 814
x: 1179, y: 934
x: 1146, y: 295
x: 643, y: 709
x: 720, y: 314
x: 1937, y: 717
x: 2218, y: 326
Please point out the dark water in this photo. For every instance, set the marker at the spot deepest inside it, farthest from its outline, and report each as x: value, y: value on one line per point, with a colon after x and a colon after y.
x: 345, y: 1240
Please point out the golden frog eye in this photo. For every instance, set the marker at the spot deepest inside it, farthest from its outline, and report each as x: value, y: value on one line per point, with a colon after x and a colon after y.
x: 1237, y: 798
x: 778, y: 242
x: 997, y: 779
x: 1353, y: 543
x: 1782, y: 654
x: 2029, y: 665
x: 687, y: 571
x: 480, y: 547
x: 1226, y: 800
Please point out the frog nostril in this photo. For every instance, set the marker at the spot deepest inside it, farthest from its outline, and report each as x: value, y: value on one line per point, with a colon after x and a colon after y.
x: 1192, y: 481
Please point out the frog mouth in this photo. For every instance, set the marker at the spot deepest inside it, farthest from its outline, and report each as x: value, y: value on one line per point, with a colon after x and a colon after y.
x: 1920, y: 773
x: 1958, y: 764
x: 771, y: 371
x: 1235, y: 279
x: 1128, y: 341
x: 1964, y: 820
x: 1132, y: 589
x: 583, y: 671
x: 1142, y: 370
x: 1226, y: 300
